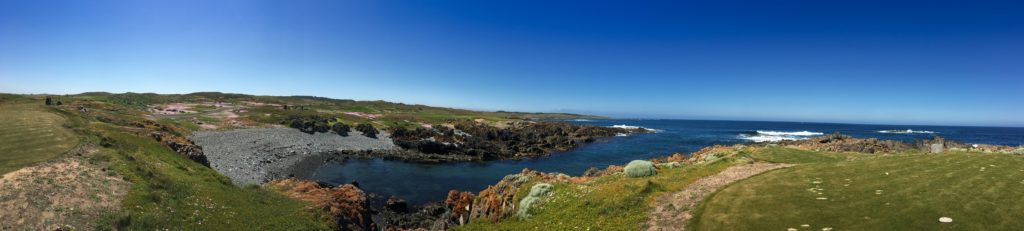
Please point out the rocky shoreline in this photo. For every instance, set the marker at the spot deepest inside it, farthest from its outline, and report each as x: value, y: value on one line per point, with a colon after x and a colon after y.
x: 355, y: 209
x: 255, y: 156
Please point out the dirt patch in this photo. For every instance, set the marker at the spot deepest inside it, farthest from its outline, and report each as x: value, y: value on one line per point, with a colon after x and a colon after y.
x: 68, y: 193
x: 172, y: 109
x: 363, y: 115
x: 672, y: 211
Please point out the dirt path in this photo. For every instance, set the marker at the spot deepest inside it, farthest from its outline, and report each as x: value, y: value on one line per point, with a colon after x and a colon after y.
x: 673, y: 211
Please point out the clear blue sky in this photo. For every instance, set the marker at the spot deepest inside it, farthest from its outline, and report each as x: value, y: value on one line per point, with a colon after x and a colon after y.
x: 925, y: 62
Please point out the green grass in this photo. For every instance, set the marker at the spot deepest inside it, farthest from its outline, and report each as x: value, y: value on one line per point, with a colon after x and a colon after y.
x: 29, y: 134
x: 170, y: 191
x: 881, y: 192
x: 613, y: 202
x: 796, y: 156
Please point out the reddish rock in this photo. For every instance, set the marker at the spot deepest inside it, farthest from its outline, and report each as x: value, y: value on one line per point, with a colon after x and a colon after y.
x: 460, y: 204
x: 346, y: 204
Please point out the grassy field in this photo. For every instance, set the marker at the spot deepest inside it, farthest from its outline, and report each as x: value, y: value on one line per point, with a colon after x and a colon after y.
x: 614, y: 202
x: 865, y: 192
x: 30, y: 134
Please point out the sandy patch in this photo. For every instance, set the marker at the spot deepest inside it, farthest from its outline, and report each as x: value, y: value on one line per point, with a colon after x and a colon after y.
x: 68, y: 193
x: 172, y: 109
x: 363, y: 115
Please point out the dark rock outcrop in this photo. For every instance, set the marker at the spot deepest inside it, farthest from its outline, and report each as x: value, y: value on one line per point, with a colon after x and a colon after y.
x: 182, y: 146
x: 842, y: 143
x: 518, y: 141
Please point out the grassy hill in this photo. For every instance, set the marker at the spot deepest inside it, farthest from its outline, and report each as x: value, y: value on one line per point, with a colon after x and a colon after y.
x: 269, y: 109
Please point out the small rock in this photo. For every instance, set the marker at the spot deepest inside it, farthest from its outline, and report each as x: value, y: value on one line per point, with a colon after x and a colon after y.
x: 945, y: 219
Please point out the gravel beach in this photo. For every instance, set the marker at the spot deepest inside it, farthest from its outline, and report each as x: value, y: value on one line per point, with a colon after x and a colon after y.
x: 253, y: 156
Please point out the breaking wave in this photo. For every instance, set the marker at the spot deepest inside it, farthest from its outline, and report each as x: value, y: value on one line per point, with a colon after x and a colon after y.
x: 772, y: 136
x: 908, y: 131
x: 631, y: 127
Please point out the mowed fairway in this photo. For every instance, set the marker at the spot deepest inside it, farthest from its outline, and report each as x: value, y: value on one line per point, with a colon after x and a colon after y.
x: 29, y: 134
x: 899, y: 192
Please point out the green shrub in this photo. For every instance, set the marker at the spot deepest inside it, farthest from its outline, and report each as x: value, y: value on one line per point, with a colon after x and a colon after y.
x: 537, y: 191
x: 1019, y: 151
x: 368, y: 130
x: 673, y: 164
x: 640, y: 168
x: 541, y: 189
x: 711, y: 156
x: 341, y: 128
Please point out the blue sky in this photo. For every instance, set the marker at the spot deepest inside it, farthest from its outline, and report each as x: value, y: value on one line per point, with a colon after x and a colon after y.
x: 893, y: 62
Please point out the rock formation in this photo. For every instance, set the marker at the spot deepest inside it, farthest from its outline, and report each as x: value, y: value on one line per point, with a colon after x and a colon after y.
x: 345, y: 204
x: 518, y: 141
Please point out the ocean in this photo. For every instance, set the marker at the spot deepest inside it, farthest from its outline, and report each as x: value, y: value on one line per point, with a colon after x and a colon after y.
x: 420, y: 183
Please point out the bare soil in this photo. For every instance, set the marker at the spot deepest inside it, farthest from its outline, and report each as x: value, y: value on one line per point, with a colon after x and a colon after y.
x: 67, y: 192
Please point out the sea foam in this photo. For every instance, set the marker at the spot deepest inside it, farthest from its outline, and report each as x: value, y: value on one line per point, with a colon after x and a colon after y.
x: 772, y: 136
x: 908, y: 131
x: 631, y: 127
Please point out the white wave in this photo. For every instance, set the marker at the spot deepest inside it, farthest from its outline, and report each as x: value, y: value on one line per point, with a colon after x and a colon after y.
x: 631, y: 127
x: 581, y: 120
x: 773, y: 136
x: 767, y: 138
x: 800, y: 133
x: 621, y: 134
x: 623, y: 126
x: 908, y: 131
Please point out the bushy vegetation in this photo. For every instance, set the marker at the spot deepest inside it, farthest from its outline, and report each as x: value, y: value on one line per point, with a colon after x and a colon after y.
x: 367, y: 129
x: 536, y: 192
x: 341, y: 129
x: 640, y: 168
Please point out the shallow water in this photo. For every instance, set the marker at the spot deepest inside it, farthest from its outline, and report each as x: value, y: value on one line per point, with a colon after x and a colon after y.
x: 420, y: 183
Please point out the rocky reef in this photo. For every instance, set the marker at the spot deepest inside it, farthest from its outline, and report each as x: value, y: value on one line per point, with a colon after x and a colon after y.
x: 518, y: 141
x: 843, y: 143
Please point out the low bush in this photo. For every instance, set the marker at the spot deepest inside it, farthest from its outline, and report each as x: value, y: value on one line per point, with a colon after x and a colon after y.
x: 341, y: 128
x: 536, y: 192
x: 368, y: 130
x: 640, y: 168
